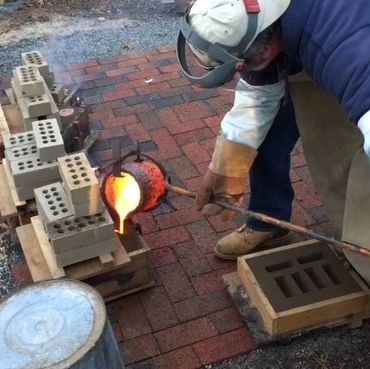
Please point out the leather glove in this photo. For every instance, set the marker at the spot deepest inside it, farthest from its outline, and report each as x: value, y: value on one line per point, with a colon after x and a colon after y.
x: 225, y: 178
x: 216, y: 186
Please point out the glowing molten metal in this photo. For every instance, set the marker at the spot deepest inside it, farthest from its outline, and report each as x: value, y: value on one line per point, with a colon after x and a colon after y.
x: 141, y: 187
x: 124, y: 194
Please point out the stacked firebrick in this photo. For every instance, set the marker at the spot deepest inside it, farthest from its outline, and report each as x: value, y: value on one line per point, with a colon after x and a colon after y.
x: 65, y: 187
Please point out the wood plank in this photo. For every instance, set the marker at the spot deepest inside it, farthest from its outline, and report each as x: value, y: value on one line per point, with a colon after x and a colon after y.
x: 46, y: 248
x: 33, y: 254
x: 90, y: 268
x: 106, y: 259
x: 319, y: 313
x: 10, y: 179
x: 255, y: 292
x: 7, y: 205
x: 13, y: 118
x: 4, y: 128
x: 10, y: 94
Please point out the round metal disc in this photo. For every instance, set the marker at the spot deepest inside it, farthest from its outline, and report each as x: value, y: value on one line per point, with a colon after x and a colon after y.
x: 49, y: 325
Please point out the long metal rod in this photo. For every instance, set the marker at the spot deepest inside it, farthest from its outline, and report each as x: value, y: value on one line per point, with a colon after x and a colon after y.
x: 277, y: 222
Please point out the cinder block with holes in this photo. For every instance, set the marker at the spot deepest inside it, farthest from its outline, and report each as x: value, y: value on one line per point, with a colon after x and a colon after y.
x: 88, y: 208
x: 50, y: 80
x: 27, y: 192
x: 38, y: 105
x: 301, y: 286
x: 27, y: 122
x: 52, y: 202
x: 74, y: 232
x: 12, y: 140
x: 32, y: 171
x: 27, y: 119
x: 48, y: 139
x: 35, y: 59
x: 20, y: 152
x: 79, y: 178
x: 86, y: 252
x: 27, y: 82
x: 57, y: 91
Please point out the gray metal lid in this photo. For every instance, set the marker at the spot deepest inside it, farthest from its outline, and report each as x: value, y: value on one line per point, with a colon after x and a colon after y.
x: 50, y: 325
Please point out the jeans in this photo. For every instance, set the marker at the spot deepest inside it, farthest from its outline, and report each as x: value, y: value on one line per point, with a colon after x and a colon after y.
x: 271, y: 190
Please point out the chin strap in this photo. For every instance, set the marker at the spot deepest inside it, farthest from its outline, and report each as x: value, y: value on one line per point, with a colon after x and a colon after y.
x: 252, y: 6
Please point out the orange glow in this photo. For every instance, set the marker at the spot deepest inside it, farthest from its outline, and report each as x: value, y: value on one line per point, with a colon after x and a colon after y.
x: 125, y: 195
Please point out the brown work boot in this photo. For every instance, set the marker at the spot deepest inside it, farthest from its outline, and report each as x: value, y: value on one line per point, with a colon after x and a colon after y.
x: 246, y: 240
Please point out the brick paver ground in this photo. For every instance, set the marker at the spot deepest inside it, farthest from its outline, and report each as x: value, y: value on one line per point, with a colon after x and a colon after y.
x: 187, y: 319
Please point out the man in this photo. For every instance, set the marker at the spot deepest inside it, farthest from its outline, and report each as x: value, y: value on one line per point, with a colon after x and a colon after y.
x: 330, y: 41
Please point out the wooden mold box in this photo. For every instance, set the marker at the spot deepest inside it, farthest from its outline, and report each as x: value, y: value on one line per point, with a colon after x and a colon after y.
x: 301, y: 286
x: 129, y: 271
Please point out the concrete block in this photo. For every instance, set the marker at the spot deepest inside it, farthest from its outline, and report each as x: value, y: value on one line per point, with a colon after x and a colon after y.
x: 35, y: 59
x: 52, y: 202
x: 49, y: 80
x: 79, y: 178
x: 32, y: 171
x: 85, y: 252
x: 27, y: 82
x: 74, y: 232
x: 20, y: 152
x: 12, y: 140
x: 57, y: 91
x: 48, y: 139
x: 23, y: 105
x: 27, y: 123
x: 88, y: 208
x: 38, y: 106
x: 27, y: 192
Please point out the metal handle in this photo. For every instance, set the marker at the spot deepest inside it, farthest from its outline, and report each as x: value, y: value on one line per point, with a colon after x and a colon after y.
x: 277, y: 222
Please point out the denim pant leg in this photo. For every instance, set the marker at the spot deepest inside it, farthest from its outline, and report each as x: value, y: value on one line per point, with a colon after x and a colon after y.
x: 271, y: 189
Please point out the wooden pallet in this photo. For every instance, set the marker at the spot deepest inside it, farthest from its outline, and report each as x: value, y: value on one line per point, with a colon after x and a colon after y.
x: 10, y: 121
x: 128, y: 272
x: 350, y: 305
x: 13, y: 211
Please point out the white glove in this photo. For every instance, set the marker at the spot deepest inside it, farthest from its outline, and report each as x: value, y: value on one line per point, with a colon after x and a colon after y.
x: 364, y: 126
x: 253, y: 112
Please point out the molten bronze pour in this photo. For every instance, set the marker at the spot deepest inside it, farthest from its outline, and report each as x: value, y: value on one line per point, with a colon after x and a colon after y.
x: 143, y: 185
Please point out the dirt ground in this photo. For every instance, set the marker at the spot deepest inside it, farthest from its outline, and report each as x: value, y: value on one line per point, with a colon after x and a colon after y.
x: 22, y: 13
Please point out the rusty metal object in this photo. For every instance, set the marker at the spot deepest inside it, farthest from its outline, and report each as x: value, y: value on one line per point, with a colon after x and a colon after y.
x: 280, y: 223
x: 154, y: 185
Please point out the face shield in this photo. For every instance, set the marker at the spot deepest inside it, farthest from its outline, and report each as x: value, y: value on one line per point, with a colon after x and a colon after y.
x: 211, y: 65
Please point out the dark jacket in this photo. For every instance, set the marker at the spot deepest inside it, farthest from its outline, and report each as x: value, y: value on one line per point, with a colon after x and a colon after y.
x: 331, y: 40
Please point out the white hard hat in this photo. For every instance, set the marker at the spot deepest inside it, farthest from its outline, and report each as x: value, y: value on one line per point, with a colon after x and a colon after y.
x: 226, y: 21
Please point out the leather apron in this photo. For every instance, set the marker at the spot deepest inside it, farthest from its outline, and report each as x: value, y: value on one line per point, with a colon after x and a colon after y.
x: 339, y: 167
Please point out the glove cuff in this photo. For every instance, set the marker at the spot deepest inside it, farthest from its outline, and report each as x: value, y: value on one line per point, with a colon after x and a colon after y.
x: 232, y: 159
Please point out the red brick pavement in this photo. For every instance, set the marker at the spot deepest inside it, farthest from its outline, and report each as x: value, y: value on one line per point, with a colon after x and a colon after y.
x: 187, y: 320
